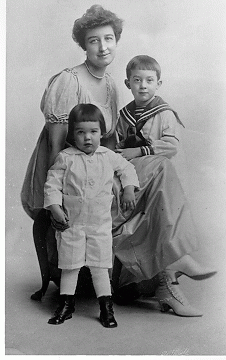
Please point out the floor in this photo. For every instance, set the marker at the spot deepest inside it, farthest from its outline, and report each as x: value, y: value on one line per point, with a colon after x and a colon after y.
x: 142, y: 328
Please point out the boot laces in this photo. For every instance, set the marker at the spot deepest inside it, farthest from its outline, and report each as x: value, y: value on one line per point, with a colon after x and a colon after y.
x: 172, y: 289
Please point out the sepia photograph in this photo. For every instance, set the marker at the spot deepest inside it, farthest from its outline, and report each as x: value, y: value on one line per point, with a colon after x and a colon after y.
x: 115, y: 178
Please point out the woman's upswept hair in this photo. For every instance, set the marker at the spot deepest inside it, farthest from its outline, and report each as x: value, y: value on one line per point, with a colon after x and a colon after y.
x: 84, y: 113
x: 94, y: 17
x: 143, y: 62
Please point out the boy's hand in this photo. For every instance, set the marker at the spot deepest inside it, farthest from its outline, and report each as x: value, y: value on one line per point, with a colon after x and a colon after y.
x: 58, y: 217
x: 129, y: 153
x: 128, y: 198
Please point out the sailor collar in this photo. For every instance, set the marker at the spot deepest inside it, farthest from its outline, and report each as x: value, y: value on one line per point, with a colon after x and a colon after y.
x: 156, y: 106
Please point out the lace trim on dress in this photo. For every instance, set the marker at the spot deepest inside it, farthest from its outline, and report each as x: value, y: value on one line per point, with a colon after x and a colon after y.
x: 59, y: 119
x: 108, y: 88
x: 71, y: 70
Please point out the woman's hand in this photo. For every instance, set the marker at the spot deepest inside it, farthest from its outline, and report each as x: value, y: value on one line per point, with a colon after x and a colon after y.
x: 128, y: 198
x: 129, y: 153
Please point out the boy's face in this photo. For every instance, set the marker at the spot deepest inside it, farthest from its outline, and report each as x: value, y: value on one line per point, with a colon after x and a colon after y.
x: 143, y: 84
x: 87, y: 136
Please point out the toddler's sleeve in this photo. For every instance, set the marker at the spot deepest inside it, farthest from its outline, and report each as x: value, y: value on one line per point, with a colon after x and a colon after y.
x: 54, y: 184
x: 60, y: 96
x: 125, y: 170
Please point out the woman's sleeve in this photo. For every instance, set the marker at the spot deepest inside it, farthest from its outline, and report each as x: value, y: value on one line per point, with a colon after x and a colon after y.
x: 60, y: 96
x: 54, y: 183
x: 167, y: 144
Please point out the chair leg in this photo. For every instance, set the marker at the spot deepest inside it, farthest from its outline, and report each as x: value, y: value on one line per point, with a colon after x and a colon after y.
x: 40, y: 228
x: 117, y: 267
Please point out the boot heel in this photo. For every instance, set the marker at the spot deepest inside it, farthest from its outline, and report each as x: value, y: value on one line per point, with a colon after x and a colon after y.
x: 164, y: 307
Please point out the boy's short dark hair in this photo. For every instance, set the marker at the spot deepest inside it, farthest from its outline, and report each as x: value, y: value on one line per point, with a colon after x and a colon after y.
x: 83, y: 113
x: 143, y: 62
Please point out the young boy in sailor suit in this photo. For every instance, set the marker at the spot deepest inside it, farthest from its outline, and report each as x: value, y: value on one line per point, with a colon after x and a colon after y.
x: 78, y: 192
x: 147, y: 125
x: 149, y: 133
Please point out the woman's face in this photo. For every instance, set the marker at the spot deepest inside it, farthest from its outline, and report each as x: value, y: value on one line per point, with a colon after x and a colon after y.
x: 100, y: 45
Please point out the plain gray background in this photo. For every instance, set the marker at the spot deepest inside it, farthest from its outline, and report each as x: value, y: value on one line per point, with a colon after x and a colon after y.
x: 187, y: 38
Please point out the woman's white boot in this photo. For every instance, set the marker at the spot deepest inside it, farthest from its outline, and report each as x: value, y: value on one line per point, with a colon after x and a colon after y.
x: 170, y: 296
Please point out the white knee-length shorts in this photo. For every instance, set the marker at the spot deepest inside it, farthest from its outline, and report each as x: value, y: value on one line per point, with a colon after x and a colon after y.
x: 88, y: 240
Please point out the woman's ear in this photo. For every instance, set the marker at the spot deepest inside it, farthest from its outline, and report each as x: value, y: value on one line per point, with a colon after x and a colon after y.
x: 127, y: 84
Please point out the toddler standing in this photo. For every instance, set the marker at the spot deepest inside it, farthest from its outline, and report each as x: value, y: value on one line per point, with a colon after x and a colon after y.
x: 78, y: 192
